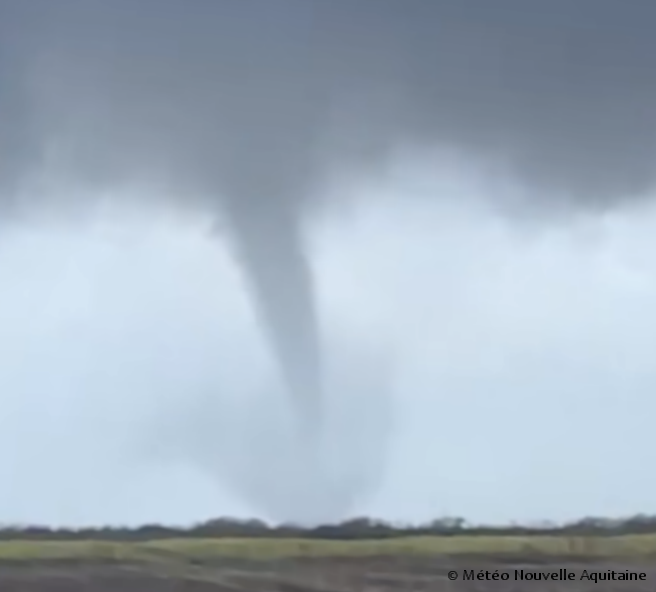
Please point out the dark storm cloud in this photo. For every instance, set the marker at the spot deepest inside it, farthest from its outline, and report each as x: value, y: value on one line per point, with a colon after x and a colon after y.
x: 565, y: 89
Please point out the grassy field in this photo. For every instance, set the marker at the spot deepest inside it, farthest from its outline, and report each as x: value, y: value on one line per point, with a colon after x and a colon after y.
x: 208, y: 549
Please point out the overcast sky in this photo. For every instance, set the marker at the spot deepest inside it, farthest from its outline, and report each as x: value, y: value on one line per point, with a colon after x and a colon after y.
x: 474, y: 180
x: 523, y: 357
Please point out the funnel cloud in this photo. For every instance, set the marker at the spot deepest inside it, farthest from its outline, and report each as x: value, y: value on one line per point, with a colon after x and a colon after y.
x: 245, y: 110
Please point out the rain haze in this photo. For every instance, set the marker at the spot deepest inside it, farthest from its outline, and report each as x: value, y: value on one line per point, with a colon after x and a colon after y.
x: 306, y: 259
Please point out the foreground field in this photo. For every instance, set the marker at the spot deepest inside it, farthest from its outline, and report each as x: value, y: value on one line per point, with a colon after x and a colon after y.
x: 296, y: 565
x: 199, y: 549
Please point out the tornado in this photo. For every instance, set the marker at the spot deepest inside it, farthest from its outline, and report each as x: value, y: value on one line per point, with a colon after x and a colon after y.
x: 239, y: 109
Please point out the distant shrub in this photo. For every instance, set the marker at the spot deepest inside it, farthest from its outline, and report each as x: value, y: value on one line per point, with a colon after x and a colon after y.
x: 354, y: 529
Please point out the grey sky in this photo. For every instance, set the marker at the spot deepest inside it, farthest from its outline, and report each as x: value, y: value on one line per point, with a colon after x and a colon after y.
x: 515, y: 288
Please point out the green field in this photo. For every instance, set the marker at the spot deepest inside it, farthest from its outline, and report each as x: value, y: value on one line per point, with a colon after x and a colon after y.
x: 263, y: 548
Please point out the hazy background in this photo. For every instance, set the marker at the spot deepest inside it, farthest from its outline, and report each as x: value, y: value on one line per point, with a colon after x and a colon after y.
x: 474, y: 180
x: 524, y: 361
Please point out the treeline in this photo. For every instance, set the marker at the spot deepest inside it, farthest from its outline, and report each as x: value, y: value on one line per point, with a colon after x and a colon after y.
x: 356, y: 529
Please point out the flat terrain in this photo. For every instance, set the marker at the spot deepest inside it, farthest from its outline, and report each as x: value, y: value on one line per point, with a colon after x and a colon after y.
x: 285, y: 565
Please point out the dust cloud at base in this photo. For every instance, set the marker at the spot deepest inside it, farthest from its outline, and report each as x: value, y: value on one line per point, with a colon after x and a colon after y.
x: 254, y: 448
